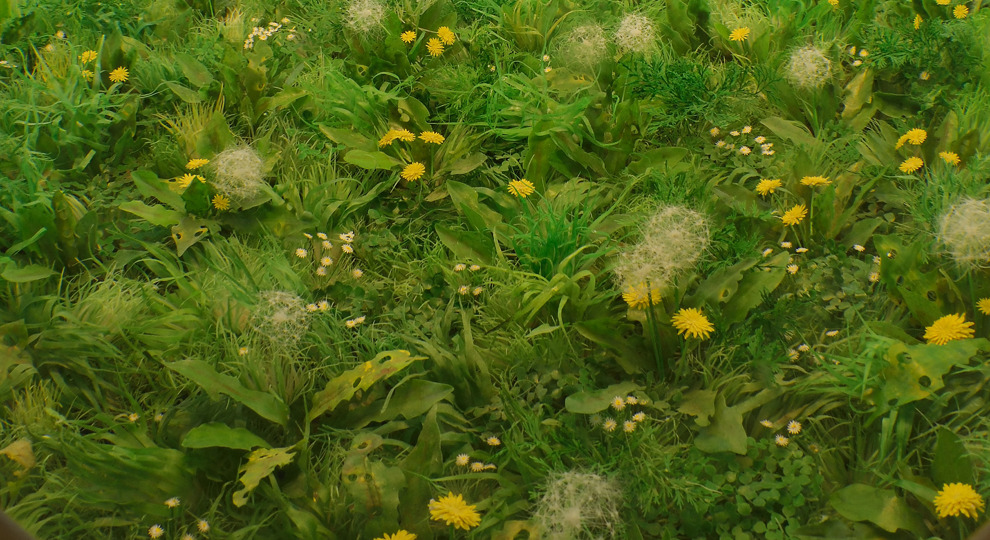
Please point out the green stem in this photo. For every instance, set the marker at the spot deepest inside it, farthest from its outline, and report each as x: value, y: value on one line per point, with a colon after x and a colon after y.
x: 654, y: 333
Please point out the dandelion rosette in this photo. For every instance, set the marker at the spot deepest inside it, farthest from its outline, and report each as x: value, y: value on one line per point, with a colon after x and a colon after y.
x: 453, y: 510
x: 949, y: 328
x: 956, y: 498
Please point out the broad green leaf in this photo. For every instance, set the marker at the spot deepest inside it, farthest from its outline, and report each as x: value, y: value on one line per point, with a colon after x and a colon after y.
x: 604, y: 332
x: 789, y: 130
x: 370, y: 160
x: 698, y: 403
x: 882, y: 507
x: 725, y: 433
x: 195, y: 71
x: 24, y: 274
x: 151, y: 186
x: 598, y: 400
x: 413, y: 398
x: 857, y: 94
x: 951, y: 462
x: 267, y: 405
x: 185, y: 94
x: 344, y: 386
x: 197, y: 198
x: 216, y: 434
x: 349, y: 138
x: 465, y: 198
x: 467, y: 163
x: 260, y: 463
x: 467, y: 245
x: 658, y: 158
x: 751, y: 290
x: 915, y: 372
x: 279, y: 100
x: 187, y: 232
x: 156, y: 215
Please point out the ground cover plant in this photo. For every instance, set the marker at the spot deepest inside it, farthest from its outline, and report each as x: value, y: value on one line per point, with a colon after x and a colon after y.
x: 431, y: 269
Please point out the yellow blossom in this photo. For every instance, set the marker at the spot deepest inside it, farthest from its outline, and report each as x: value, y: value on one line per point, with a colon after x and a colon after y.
x: 413, y: 171
x: 446, y: 35
x: 911, y: 164
x: 119, y: 75
x: 196, y: 163
x: 692, y: 323
x: 454, y: 511
x: 955, y: 499
x: 766, y: 187
x: 951, y: 158
x: 949, y: 328
x: 960, y: 11
x: 521, y: 188
x: 221, y: 202
x: 984, y: 306
x: 795, y: 215
x: 434, y: 47
x: 640, y: 296
x: 815, y: 181
x: 917, y: 21
x: 408, y: 36
x: 739, y: 34
x: 431, y: 137
x: 87, y: 57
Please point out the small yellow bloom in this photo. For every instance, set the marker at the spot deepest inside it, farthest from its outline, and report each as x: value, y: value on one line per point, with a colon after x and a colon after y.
x: 792, y: 269
x: 692, y: 323
x: 629, y: 426
x: 400, y: 535
x: 408, y: 36
x: 640, y: 296
x: 955, y: 499
x: 949, y: 328
x: 609, y: 425
x: 221, y: 202
x: 454, y: 511
x: 781, y: 441
x: 431, y: 137
x: 639, y: 417
x: 196, y: 163
x: 172, y: 502
x: 951, y: 158
x: 405, y: 135
x: 794, y: 427
x: 521, y: 188
x: 960, y: 11
x: 943, y: 2
x: 462, y: 460
x: 739, y: 34
x: 493, y: 441
x: 434, y: 47
x: 766, y: 423
x: 119, y: 75
x: 413, y: 171
x: 917, y: 21
x: 446, y: 35
x: 911, y: 164
x: 301, y: 253
x: 984, y: 306
x: 156, y: 531
x: 203, y: 526
x: 833, y: 3
x: 815, y: 181
x: 87, y: 74
x: 795, y: 215
x: 618, y: 403
x: 87, y: 57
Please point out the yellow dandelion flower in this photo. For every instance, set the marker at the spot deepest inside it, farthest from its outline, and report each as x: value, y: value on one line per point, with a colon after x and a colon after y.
x: 766, y: 423
x: 87, y: 57
x: 795, y: 215
x: 454, y: 511
x: 221, y: 202
x: 917, y: 21
x: 446, y: 35
x: 203, y: 526
x: 815, y: 181
x: 387, y: 139
x: 521, y: 188
x: 172, y: 502
x: 87, y: 74
x: 196, y: 163
x: 949, y: 328
x: 639, y: 296
x: 916, y: 136
x: 408, y: 36
x: 405, y: 135
x: 984, y: 306
x: 692, y: 323
x: 833, y: 3
x: 951, y: 158
x: 639, y: 417
x: 431, y: 137
x: 766, y: 187
x: 119, y: 75
x: 739, y: 34
x: 618, y: 403
x: 477, y: 466
x: 911, y: 164
x: 943, y: 2
x: 629, y: 426
x: 400, y: 535
x: 434, y: 47
x: 955, y: 499
x: 413, y: 171
x: 960, y: 11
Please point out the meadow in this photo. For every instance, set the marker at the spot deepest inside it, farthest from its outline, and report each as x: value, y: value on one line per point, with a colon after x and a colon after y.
x: 495, y: 269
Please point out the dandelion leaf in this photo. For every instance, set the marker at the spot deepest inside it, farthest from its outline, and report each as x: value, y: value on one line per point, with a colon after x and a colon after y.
x: 700, y: 404
x: 373, y: 485
x: 21, y: 453
x: 216, y: 434
x: 261, y: 463
x: 882, y: 507
x: 598, y: 401
x: 267, y: 405
x: 193, y: 70
x: 725, y: 433
x: 370, y: 160
x: 187, y: 232
x: 347, y: 384
x: 914, y: 372
x: 951, y: 462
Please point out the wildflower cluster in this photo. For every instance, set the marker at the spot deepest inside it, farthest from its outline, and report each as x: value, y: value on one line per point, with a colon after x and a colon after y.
x: 262, y: 33
x: 746, y: 146
x: 158, y: 531
x: 793, y: 427
x: 332, y: 261
x: 463, y: 279
x: 624, y: 412
x: 858, y: 56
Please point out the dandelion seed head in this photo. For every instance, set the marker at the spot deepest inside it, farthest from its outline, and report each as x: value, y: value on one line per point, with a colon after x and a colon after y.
x: 636, y: 33
x: 965, y: 231
x: 238, y: 173
x: 579, y: 505
x: 808, y: 67
x: 671, y: 242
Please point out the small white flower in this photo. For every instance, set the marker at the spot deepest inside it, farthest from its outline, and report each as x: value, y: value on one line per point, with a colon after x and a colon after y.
x: 301, y: 253
x: 357, y: 273
x: 459, y: 267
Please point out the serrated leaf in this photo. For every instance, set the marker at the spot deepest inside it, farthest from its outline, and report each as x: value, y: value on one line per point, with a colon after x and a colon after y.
x: 157, y: 214
x: 187, y: 232
x: 725, y: 433
x: 260, y: 463
x: 343, y: 387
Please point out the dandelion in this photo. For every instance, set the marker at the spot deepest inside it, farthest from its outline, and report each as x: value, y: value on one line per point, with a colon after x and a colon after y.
x: 365, y: 16
x: 311, y: 308
x: 490, y: 467
x: 413, y: 171
x: 546, y: 57
x: 864, y: 53
x: 794, y: 427
x: 408, y: 36
x: 739, y: 34
x: 635, y: 33
x: 734, y: 133
x: 346, y: 237
x: 326, y: 261
x: 874, y: 277
x: 949, y: 328
x: 914, y: 136
x: 618, y: 403
x: 87, y: 57
x: 446, y: 35
x: 196, y: 163
x: 477, y: 291
x: 321, y: 271
x: 639, y: 417
x: 965, y: 230
x: 493, y: 441
x: 221, y: 202
x: 586, y: 45
x: 357, y: 273
x: 387, y: 139
x: 238, y: 173
x: 172, y: 502
x: 405, y: 135
x: 801, y: 250
x: 521, y: 188
x: 156, y: 531
x: 119, y: 75
x: 323, y: 305
x: 960, y: 11
x: 911, y: 164
x: 609, y: 425
x: 454, y: 511
x: 133, y: 417
x: 766, y: 423
x: 431, y: 137
x: 354, y: 323
x: 792, y: 269
x: 808, y: 67
x: 474, y: 268
x: 984, y: 306
x: 631, y: 400
x: 628, y: 426
x: 203, y: 526
x: 857, y: 63
x: 781, y: 441
x: 815, y: 181
x: 804, y: 347
x: 795, y: 215
x: 767, y: 252
x: 917, y: 21
x: 434, y: 47
x: 951, y: 158
x: 87, y: 74
x: 579, y: 505
x: 639, y: 296
x: 301, y: 253
x: 242, y: 351
x: 720, y: 144
x: 954, y: 499
x: 463, y: 290
x: 943, y: 2
x: 692, y: 323
x: 747, y: 129
x: 671, y: 242
x: 400, y: 535
x: 833, y: 3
